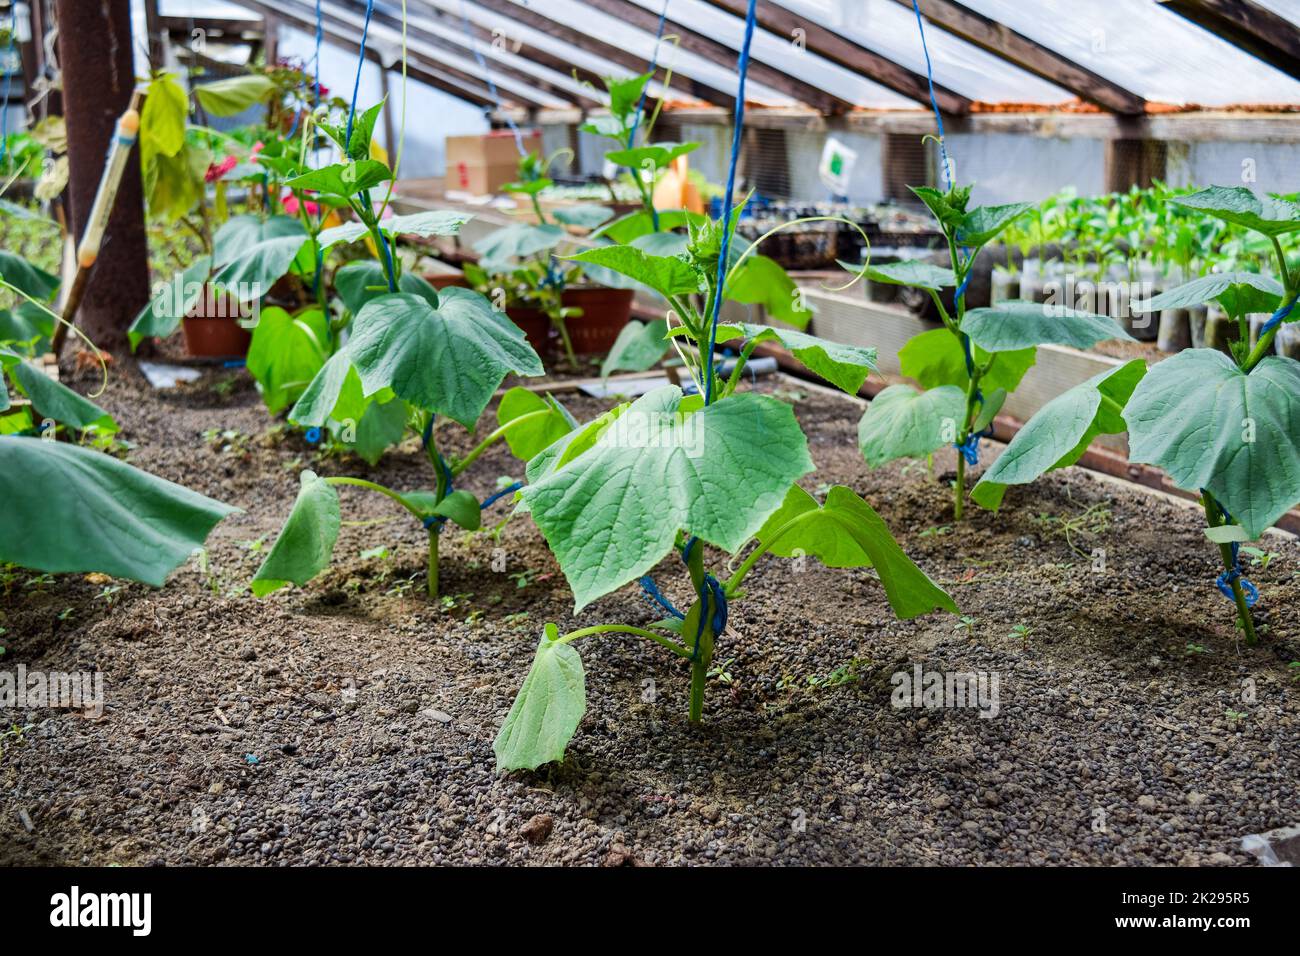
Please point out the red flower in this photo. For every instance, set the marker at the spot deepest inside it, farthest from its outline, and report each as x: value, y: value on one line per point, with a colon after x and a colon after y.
x: 290, y: 203
x: 217, y: 170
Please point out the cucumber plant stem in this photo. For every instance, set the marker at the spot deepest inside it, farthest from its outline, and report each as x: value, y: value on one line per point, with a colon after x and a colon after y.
x: 1214, y: 516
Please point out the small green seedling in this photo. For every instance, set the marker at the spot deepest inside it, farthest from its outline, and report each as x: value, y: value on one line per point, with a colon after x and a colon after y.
x: 1021, y: 633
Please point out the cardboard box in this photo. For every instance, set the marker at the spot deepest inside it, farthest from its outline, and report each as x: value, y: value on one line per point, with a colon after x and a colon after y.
x: 483, y: 164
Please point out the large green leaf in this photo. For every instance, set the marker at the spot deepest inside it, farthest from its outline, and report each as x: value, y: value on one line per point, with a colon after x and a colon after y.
x: 901, y: 422
x: 359, y: 282
x: 586, y: 216
x: 1061, y: 431
x: 434, y: 222
x: 449, y: 360
x: 68, y: 508
x: 518, y: 241
x: 667, y: 275
x: 547, y: 421
x: 844, y: 366
x: 1237, y: 204
x: 935, y: 358
x: 335, y: 395
x: 1210, y: 425
x: 27, y: 323
x: 910, y: 272
x: 1264, y: 290
x: 306, y: 542
x: 847, y: 533
x: 162, y: 119
x: 171, y: 302
x: 982, y: 224
x: 27, y: 278
x: 286, y: 353
x: 343, y: 179
x: 382, y: 425
x: 761, y: 281
x: 640, y: 223
x: 56, y: 401
x: 1010, y: 326
x: 239, y: 234
x: 233, y: 95
x: 612, y: 512
x: 659, y: 155
x: 251, y: 274
x: 547, y: 709
x: 638, y: 347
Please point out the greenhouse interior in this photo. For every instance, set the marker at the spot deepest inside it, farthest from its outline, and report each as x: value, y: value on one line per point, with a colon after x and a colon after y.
x: 658, y: 433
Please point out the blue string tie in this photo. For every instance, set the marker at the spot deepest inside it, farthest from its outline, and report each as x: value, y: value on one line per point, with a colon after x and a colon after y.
x: 1278, y: 318
x: 711, y: 591
x: 652, y: 591
x: 1225, y: 580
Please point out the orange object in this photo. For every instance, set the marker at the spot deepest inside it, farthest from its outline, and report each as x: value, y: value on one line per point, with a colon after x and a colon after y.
x: 675, y: 190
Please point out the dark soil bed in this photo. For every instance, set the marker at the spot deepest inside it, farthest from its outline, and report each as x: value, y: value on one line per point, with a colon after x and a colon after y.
x: 351, y: 721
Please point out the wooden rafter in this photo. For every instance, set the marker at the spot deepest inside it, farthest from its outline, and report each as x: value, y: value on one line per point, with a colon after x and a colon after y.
x: 461, y: 45
x: 719, y: 53
x: 999, y: 39
x: 435, y: 79
x: 534, y: 54
x: 852, y: 56
x: 1248, y: 26
x: 513, y: 10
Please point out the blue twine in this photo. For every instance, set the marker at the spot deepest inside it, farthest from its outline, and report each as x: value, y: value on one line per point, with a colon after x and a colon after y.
x: 487, y: 77
x: 640, y: 105
x: 742, y: 68
x: 438, y: 521
x: 934, y: 102
x: 1278, y: 317
x: 970, y: 449
x: 9, y: 79
x: 492, y: 499
x: 315, y: 62
x: 710, y: 591
x: 653, y: 593
x: 1224, y: 581
x: 356, y: 83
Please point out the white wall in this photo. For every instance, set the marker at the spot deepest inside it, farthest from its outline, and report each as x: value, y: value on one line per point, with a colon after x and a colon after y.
x: 1264, y: 167
x: 804, y: 152
x: 1006, y: 167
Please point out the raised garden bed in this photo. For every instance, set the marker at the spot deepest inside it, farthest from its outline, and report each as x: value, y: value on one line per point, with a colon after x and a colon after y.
x: 352, y: 721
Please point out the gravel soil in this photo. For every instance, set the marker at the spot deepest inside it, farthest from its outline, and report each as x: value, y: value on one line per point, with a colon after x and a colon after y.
x: 351, y: 721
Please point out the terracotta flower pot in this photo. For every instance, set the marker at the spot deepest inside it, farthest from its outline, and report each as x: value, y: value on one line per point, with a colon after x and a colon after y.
x: 444, y: 280
x: 212, y: 328
x: 604, y: 314
x: 536, y: 328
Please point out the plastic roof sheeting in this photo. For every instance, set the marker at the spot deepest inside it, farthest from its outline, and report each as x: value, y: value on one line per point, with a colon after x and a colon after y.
x: 1150, y: 50
x: 890, y: 29
x: 615, y: 31
x: 781, y: 53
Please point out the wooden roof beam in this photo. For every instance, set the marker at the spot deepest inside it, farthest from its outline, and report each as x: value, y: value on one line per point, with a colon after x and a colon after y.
x: 460, y: 45
x: 438, y: 81
x: 1247, y: 26
x: 1031, y: 56
x: 516, y: 46
x: 514, y: 10
x: 845, y: 53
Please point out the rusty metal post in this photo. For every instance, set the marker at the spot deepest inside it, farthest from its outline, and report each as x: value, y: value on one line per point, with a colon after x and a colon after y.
x: 95, y: 55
